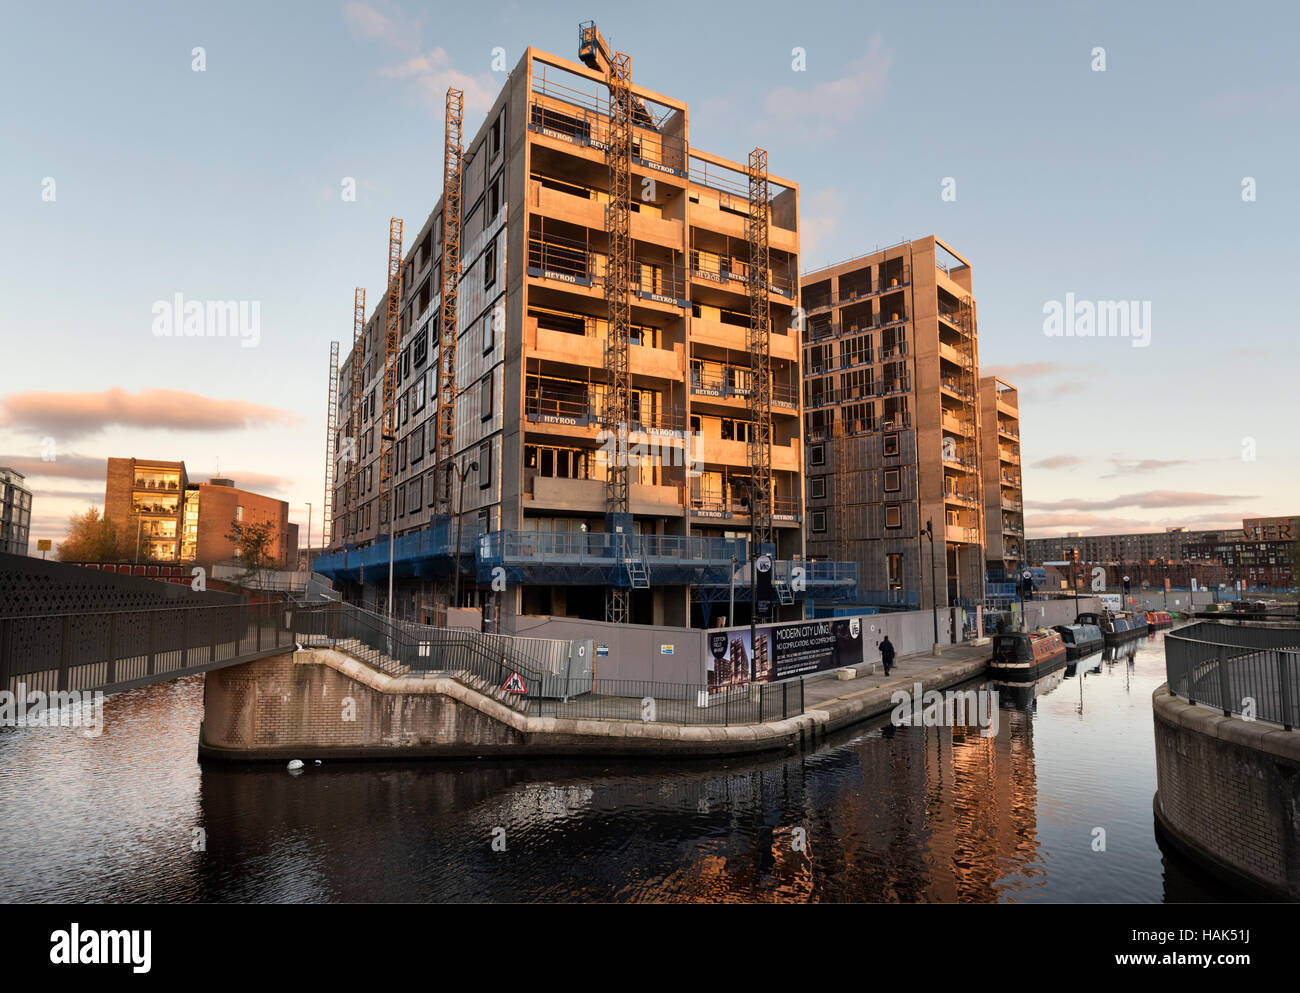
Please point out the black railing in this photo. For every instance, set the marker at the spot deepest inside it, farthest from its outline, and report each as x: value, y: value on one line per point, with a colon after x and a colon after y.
x: 118, y: 649
x: 679, y: 703
x: 402, y: 647
x: 1237, y: 670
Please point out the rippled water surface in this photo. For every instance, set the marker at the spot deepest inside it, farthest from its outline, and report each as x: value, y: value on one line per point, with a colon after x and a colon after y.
x: 888, y: 814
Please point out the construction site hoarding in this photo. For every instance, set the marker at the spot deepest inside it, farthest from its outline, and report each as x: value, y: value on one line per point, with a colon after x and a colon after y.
x: 781, y: 651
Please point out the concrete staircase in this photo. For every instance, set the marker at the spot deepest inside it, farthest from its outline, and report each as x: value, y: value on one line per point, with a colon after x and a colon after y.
x: 517, y: 702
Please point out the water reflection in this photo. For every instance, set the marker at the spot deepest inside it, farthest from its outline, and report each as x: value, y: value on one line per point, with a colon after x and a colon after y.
x: 880, y: 814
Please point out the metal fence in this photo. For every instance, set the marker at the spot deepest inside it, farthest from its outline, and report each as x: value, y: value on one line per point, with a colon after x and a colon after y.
x: 555, y: 677
x: 118, y: 649
x: 1239, y: 670
x: 404, y: 647
x: 677, y: 703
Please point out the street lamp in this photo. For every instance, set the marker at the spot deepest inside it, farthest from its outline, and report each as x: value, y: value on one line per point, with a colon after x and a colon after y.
x: 392, y: 520
x: 308, y: 538
x: 934, y: 590
x: 462, y: 473
x: 748, y: 503
x: 1074, y: 579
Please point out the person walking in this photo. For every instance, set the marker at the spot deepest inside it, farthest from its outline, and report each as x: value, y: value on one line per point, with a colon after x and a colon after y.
x: 887, y: 654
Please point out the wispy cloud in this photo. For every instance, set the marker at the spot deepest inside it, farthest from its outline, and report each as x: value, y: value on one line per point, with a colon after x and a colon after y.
x: 433, y: 72
x: 1281, y: 99
x: 819, y: 218
x: 257, y: 482
x: 1085, y: 523
x: 1025, y: 370
x: 1148, y: 499
x: 1129, y: 467
x: 838, y: 101
x: 1056, y: 462
x: 374, y: 25
x: 74, y: 415
x: 64, y: 466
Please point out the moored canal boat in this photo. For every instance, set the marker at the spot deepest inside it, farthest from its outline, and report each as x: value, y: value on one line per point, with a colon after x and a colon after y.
x: 1159, y: 619
x: 1116, y: 625
x: 1080, y: 639
x: 1026, y: 655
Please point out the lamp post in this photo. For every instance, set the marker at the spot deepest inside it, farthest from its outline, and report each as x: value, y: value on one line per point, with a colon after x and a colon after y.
x: 392, y: 505
x: 748, y: 503
x: 934, y: 589
x: 391, y: 522
x: 1074, y: 579
x: 309, y: 537
x: 462, y: 473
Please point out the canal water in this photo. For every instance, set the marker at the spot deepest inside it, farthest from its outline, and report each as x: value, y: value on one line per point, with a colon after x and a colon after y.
x: 1055, y: 807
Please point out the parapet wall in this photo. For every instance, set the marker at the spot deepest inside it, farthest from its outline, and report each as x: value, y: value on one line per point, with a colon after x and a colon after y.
x: 316, y: 702
x: 1229, y: 794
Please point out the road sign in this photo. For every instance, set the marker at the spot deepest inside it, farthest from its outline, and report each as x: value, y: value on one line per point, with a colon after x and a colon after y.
x: 515, y: 684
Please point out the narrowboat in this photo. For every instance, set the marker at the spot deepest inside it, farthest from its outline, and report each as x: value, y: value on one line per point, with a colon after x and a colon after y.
x: 1159, y: 619
x: 1116, y: 625
x: 1080, y: 639
x: 1026, y: 655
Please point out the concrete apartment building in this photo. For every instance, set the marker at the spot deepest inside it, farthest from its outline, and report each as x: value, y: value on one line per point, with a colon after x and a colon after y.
x: 892, y: 421
x: 1004, y: 505
x: 1259, y: 553
x: 15, y: 512
x: 175, y: 520
x: 531, y: 381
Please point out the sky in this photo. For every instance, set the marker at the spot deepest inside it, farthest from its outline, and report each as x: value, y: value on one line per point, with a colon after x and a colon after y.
x: 1075, y: 153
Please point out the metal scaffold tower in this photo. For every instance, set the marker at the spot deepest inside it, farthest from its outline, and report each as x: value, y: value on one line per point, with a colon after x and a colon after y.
x: 392, y: 334
x: 594, y: 51
x: 759, y: 343
x: 451, y: 183
x: 331, y: 428
x: 353, y: 450
x: 970, y: 443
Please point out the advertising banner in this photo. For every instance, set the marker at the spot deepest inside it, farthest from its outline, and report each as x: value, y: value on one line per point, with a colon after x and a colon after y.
x: 782, y: 651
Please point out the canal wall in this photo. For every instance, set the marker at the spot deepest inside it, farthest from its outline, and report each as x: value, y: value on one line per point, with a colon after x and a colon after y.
x: 1228, y: 794
x: 1047, y: 613
x: 323, y: 704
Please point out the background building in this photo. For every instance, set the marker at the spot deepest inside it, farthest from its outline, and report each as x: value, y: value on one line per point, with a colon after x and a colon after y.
x: 174, y: 520
x: 531, y: 383
x: 15, y: 512
x: 145, y: 498
x: 1261, y: 554
x: 892, y: 421
x: 1004, y: 508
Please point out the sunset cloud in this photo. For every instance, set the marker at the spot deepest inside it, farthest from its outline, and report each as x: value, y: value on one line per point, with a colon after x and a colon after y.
x: 64, y: 466
x: 1128, y: 467
x: 1025, y: 370
x: 1056, y: 462
x: 1148, y: 499
x: 74, y: 415
x: 836, y: 101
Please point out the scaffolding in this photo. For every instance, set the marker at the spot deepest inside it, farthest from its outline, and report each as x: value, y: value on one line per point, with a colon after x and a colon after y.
x: 353, y: 449
x: 392, y: 336
x: 331, y: 428
x: 453, y: 159
x: 759, y: 344
x: 594, y: 51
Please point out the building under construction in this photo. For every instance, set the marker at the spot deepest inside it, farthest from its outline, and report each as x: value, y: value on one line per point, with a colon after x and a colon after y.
x: 1004, y: 510
x: 892, y: 418
x: 596, y: 408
